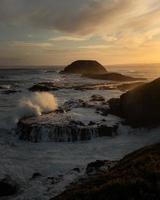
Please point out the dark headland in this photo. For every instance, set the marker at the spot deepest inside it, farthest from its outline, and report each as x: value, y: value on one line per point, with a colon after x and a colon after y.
x: 140, y: 106
x: 135, y: 177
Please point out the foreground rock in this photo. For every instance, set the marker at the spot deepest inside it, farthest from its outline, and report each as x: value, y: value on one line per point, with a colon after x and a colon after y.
x: 140, y: 106
x: 85, y: 67
x: 99, y: 166
x: 136, y: 176
x: 112, y: 77
x: 8, y: 187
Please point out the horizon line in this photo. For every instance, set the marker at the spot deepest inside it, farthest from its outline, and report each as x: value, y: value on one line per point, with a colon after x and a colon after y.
x: 18, y: 66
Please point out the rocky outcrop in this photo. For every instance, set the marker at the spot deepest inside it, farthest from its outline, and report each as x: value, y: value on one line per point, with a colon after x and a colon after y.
x: 43, y: 87
x: 99, y: 166
x: 75, y: 120
x: 85, y: 67
x: 112, y: 77
x: 97, y: 98
x: 136, y: 176
x: 141, y: 106
x: 71, y: 132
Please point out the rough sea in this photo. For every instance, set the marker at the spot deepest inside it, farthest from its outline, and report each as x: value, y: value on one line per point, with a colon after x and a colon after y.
x: 21, y: 159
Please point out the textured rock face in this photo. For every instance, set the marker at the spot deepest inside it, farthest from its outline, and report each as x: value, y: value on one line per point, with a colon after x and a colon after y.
x: 71, y: 132
x: 141, y: 106
x: 85, y: 67
x: 135, y: 177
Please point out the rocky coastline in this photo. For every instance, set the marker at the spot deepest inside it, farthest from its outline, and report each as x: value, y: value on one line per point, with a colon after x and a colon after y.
x: 136, y: 176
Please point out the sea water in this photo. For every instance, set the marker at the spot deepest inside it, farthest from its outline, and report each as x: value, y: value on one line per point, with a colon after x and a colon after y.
x: 21, y: 159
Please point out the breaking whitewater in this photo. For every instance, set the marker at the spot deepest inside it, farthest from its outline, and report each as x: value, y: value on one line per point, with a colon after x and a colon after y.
x: 44, y: 166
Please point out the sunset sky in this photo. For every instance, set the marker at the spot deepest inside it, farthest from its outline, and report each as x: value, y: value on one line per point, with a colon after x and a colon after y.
x: 56, y: 32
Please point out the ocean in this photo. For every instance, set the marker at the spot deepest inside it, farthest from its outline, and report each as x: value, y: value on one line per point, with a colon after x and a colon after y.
x: 20, y: 159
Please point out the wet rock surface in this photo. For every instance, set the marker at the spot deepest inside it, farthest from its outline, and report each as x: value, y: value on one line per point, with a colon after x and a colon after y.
x: 136, y: 176
x: 75, y: 120
x: 71, y: 132
x: 73, y: 103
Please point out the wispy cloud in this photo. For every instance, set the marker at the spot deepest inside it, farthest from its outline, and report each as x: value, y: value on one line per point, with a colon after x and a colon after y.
x: 94, y: 47
x: 68, y: 38
x: 122, y: 27
x: 30, y: 44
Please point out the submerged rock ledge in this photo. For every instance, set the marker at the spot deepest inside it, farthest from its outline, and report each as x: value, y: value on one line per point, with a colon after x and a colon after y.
x: 63, y: 133
x: 74, y: 121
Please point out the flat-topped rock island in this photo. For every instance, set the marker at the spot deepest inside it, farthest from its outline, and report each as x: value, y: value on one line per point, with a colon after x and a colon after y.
x: 85, y: 67
x: 88, y: 70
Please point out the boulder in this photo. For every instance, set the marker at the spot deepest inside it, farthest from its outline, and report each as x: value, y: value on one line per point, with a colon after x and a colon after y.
x: 99, y: 166
x: 85, y: 67
x: 36, y: 175
x: 8, y: 187
x: 97, y: 97
x: 73, y: 103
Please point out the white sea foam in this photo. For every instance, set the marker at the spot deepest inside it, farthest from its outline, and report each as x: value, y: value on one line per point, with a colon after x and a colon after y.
x: 34, y: 104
